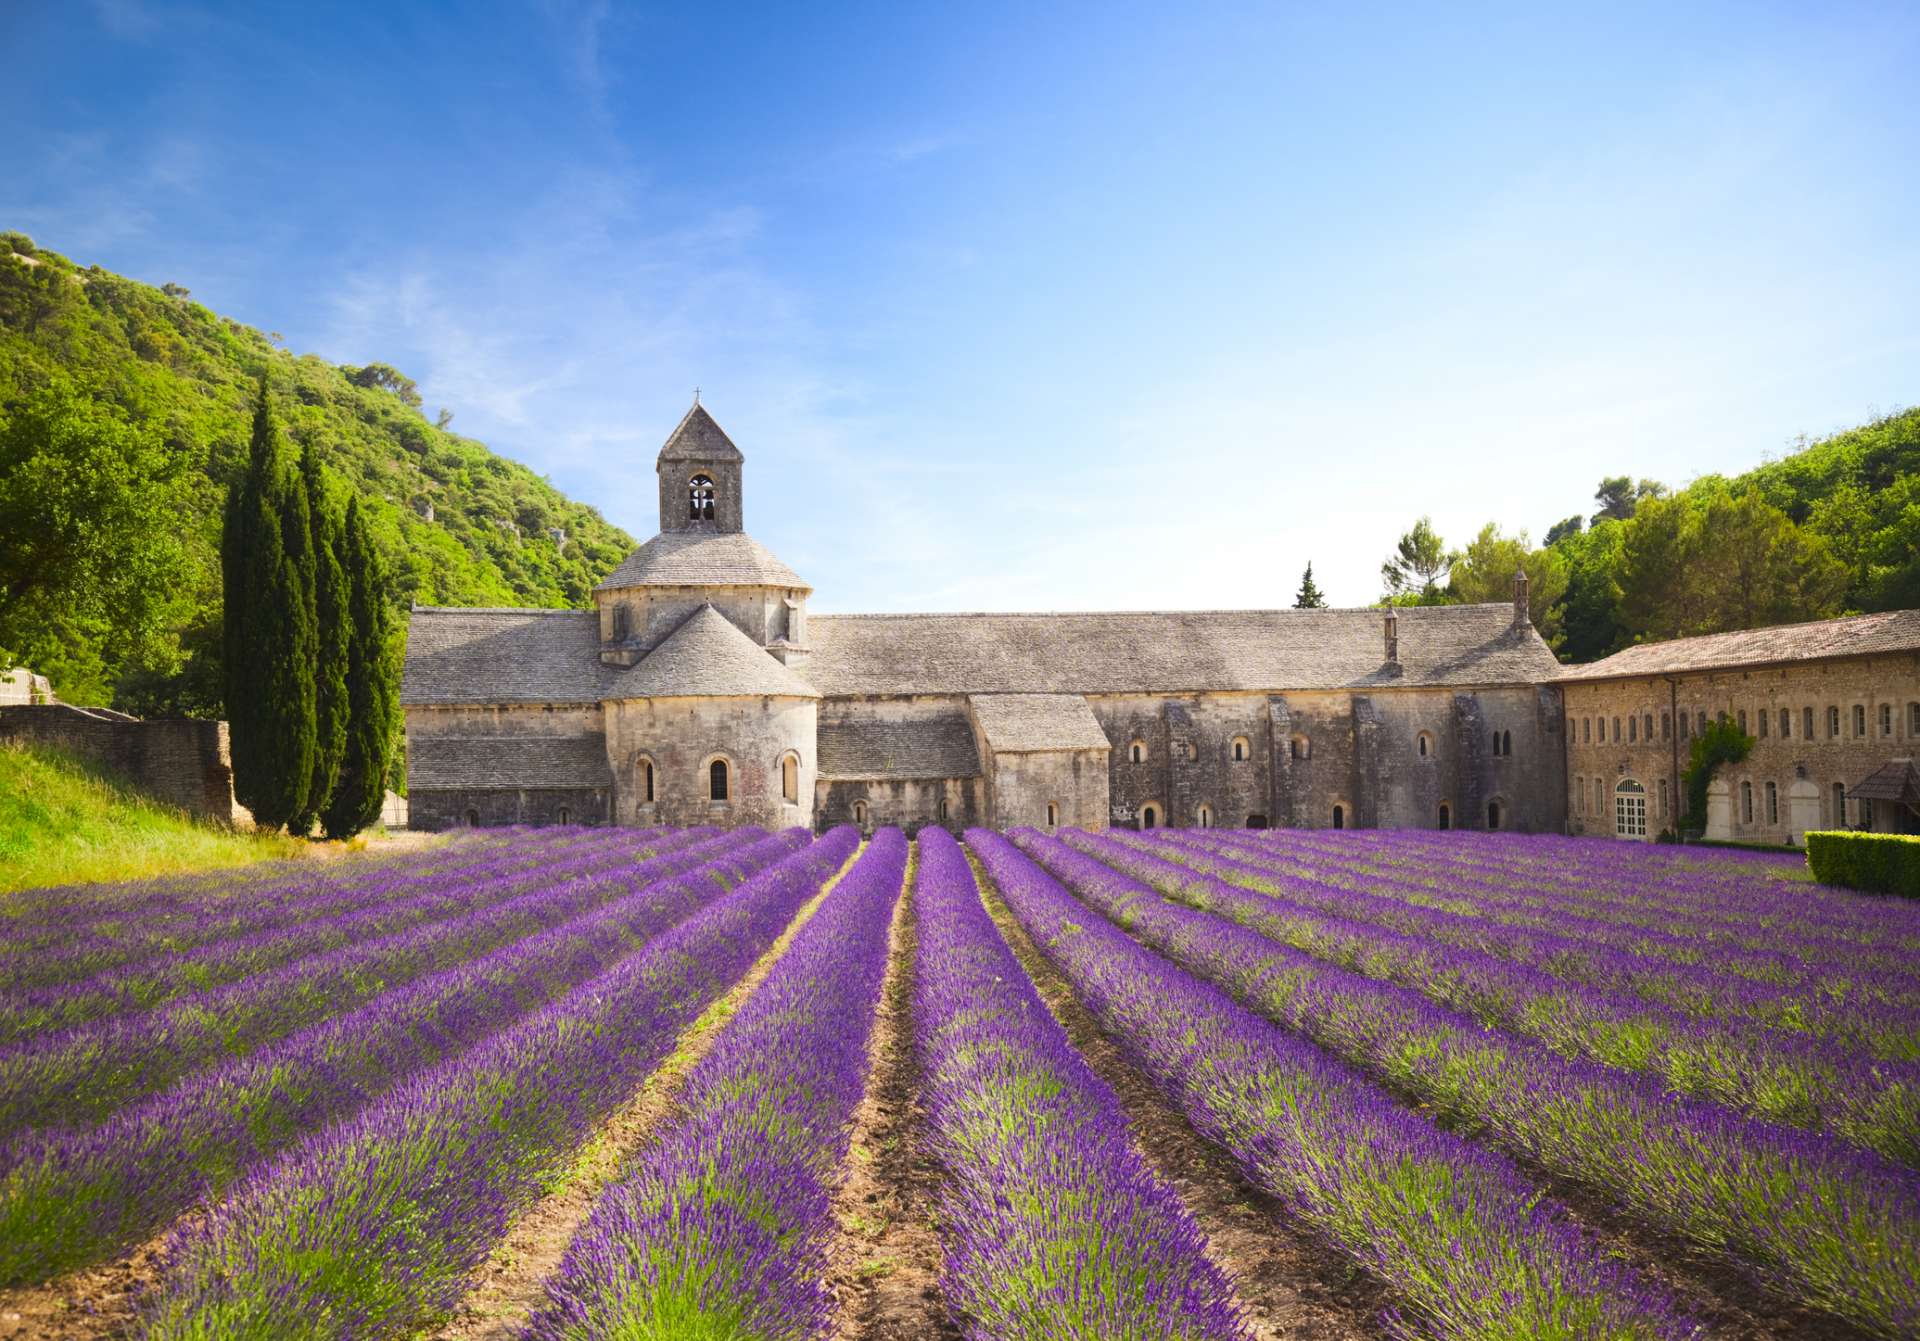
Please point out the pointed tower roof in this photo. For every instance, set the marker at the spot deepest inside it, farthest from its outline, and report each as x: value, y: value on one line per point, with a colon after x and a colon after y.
x: 707, y: 657
x: 699, y: 438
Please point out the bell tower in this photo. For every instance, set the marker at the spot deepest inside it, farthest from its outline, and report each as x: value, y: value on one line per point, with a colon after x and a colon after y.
x: 700, y: 472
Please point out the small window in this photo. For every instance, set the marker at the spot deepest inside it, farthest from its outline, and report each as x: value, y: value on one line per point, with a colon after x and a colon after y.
x: 1242, y: 749
x: 1663, y: 798
x: 619, y: 623
x: 1786, y: 723
x: 1616, y: 731
x: 1743, y: 721
x: 1586, y: 730
x: 1700, y: 724
x: 1806, y: 724
x: 1496, y: 743
x: 1746, y: 803
x: 1137, y: 751
x: 1300, y: 747
x: 1839, y: 805
x: 1886, y: 719
x: 790, y: 778
x: 942, y: 810
x: 1666, y: 726
x: 1762, y: 723
x: 717, y: 780
x: 1633, y: 730
x: 1579, y: 795
x: 1204, y: 817
x: 1446, y: 815
x: 1686, y: 726
x: 1646, y: 727
x: 1493, y: 814
x: 1150, y: 816
x: 646, y: 780
x: 1833, y: 722
x: 1506, y: 743
x: 1859, y: 720
x: 566, y: 816
x: 1424, y: 745
x: 700, y: 498
x: 1339, y: 817
x: 473, y: 819
x: 1053, y: 815
x: 860, y: 813
x: 1773, y: 803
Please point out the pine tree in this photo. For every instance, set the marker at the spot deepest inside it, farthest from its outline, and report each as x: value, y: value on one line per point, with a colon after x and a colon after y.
x: 266, y: 558
x: 331, y: 632
x: 372, y: 693
x: 1309, y: 597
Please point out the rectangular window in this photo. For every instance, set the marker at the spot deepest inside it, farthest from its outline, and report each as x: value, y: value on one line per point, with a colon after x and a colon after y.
x: 1743, y: 721
x: 1633, y: 729
x: 1833, y: 722
x: 1686, y: 725
x: 1746, y: 803
x: 1806, y: 724
x: 1700, y: 723
x: 1763, y: 723
x: 1646, y: 727
x: 1666, y: 726
x: 1859, y: 720
x: 1586, y: 730
x: 1616, y: 731
x: 1773, y: 803
x: 1786, y: 723
x: 1886, y: 719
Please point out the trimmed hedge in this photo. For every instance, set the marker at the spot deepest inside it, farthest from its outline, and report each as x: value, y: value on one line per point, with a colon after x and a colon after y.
x: 1880, y: 863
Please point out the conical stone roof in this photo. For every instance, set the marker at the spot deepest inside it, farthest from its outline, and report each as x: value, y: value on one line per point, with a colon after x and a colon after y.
x: 707, y: 657
x: 703, y: 559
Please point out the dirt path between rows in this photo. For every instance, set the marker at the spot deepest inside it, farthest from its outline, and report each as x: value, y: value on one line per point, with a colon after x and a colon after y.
x: 1292, y: 1284
x: 885, y: 1271
x: 511, y: 1284
x: 95, y: 1303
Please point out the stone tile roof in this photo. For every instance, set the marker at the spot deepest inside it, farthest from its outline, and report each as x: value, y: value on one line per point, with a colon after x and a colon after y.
x: 703, y: 559
x: 708, y: 657
x: 503, y: 656
x: 1032, y: 723
x: 1170, y: 652
x: 1891, y: 631
x: 440, y: 762
x: 698, y: 438
x: 1897, y: 780
x: 921, y: 747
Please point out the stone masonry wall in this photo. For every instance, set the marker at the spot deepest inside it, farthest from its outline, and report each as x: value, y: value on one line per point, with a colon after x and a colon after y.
x: 682, y: 736
x: 183, y: 762
x: 453, y: 808
x: 1865, y: 711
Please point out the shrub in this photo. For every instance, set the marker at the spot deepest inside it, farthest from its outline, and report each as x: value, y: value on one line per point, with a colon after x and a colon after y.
x: 1880, y: 863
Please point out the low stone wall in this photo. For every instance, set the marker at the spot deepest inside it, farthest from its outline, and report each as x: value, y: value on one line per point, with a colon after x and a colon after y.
x: 182, y: 761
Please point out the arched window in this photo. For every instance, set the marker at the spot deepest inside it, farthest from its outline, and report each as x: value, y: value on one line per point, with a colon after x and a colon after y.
x: 473, y: 819
x: 1446, y: 815
x: 700, y: 498
x: 1137, y: 751
x: 1204, y: 817
x: 1493, y: 814
x: 643, y: 780
x: 1786, y: 723
x: 1506, y: 742
x: 1646, y: 728
x: 1859, y: 720
x: 1666, y: 725
x: 1742, y: 719
x: 1053, y: 815
x: 1242, y: 749
x: 1773, y: 803
x: 1424, y: 744
x: 1886, y: 719
x: 1633, y: 730
x: 1761, y: 721
x: 1496, y: 742
x: 1630, y: 809
x: 790, y: 778
x: 860, y: 813
x: 942, y: 811
x: 1339, y: 817
x: 717, y: 781
x: 1700, y: 724
x: 1833, y: 723
x: 1300, y: 747
x: 1586, y: 730
x: 1150, y: 816
x: 1746, y: 803
x: 566, y: 816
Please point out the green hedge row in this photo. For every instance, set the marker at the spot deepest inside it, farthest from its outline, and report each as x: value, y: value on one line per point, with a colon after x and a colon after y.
x: 1881, y: 863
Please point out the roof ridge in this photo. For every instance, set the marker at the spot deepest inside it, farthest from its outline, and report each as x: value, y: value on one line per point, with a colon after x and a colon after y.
x: 1503, y: 607
x: 495, y: 610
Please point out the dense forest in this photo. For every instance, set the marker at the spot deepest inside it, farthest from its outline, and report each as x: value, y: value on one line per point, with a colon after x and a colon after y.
x: 125, y: 415
x: 1832, y: 528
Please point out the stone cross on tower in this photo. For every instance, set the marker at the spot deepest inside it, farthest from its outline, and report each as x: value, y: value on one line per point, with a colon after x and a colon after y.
x: 700, y: 477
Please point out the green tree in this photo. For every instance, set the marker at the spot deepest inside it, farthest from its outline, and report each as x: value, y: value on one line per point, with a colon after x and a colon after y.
x: 1722, y: 742
x: 1618, y: 497
x: 1562, y: 530
x: 1486, y: 569
x: 269, y: 644
x: 89, y: 541
x: 1588, y: 615
x: 1418, y: 567
x: 332, y: 629
x: 1309, y: 597
x: 372, y: 685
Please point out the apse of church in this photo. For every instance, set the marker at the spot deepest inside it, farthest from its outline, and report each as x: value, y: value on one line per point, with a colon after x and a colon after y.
x: 698, y: 691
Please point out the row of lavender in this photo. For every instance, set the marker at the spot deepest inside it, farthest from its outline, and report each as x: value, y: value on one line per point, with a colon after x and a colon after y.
x: 1785, y: 1055
x: 210, y: 1094
x: 1809, y: 1217
x: 371, y: 1226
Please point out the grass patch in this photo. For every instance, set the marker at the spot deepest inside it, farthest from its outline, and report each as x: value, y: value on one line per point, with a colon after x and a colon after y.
x: 63, y: 821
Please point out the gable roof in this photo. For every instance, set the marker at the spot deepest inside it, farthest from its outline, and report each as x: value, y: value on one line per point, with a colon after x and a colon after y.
x: 708, y: 657
x: 1860, y: 635
x: 508, y: 761
x: 702, y: 559
x: 698, y: 438
x: 936, y: 746
x: 503, y: 656
x: 1897, y: 780
x: 1036, y: 723
x: 1171, y: 652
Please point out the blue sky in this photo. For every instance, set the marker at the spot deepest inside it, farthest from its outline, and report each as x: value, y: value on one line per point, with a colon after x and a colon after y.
x: 1030, y: 307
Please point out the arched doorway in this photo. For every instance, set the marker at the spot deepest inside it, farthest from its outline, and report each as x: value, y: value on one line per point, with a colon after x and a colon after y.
x: 1494, y: 815
x: 1150, y: 815
x: 1339, y: 817
x: 1256, y: 821
x: 1446, y: 815
x: 473, y: 819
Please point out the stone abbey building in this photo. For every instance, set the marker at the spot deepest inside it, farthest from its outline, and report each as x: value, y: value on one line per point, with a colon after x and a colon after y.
x: 700, y: 691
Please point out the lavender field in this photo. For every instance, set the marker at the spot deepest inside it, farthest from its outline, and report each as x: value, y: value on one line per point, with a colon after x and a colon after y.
x: 602, y: 1083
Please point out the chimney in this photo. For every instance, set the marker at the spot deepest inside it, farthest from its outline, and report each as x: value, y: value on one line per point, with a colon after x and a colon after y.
x: 1522, y: 610
x: 1393, y: 636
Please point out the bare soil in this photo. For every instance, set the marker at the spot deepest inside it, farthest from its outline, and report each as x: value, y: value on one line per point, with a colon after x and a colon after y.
x: 885, y: 1269
x: 511, y: 1284
x: 1291, y: 1283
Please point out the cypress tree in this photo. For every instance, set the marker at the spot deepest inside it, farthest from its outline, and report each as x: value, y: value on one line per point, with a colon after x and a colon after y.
x: 266, y: 559
x: 1309, y: 596
x: 331, y: 632
x: 372, y: 690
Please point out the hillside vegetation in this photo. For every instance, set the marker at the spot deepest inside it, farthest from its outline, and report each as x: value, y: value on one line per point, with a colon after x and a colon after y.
x: 62, y: 822
x: 455, y: 523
